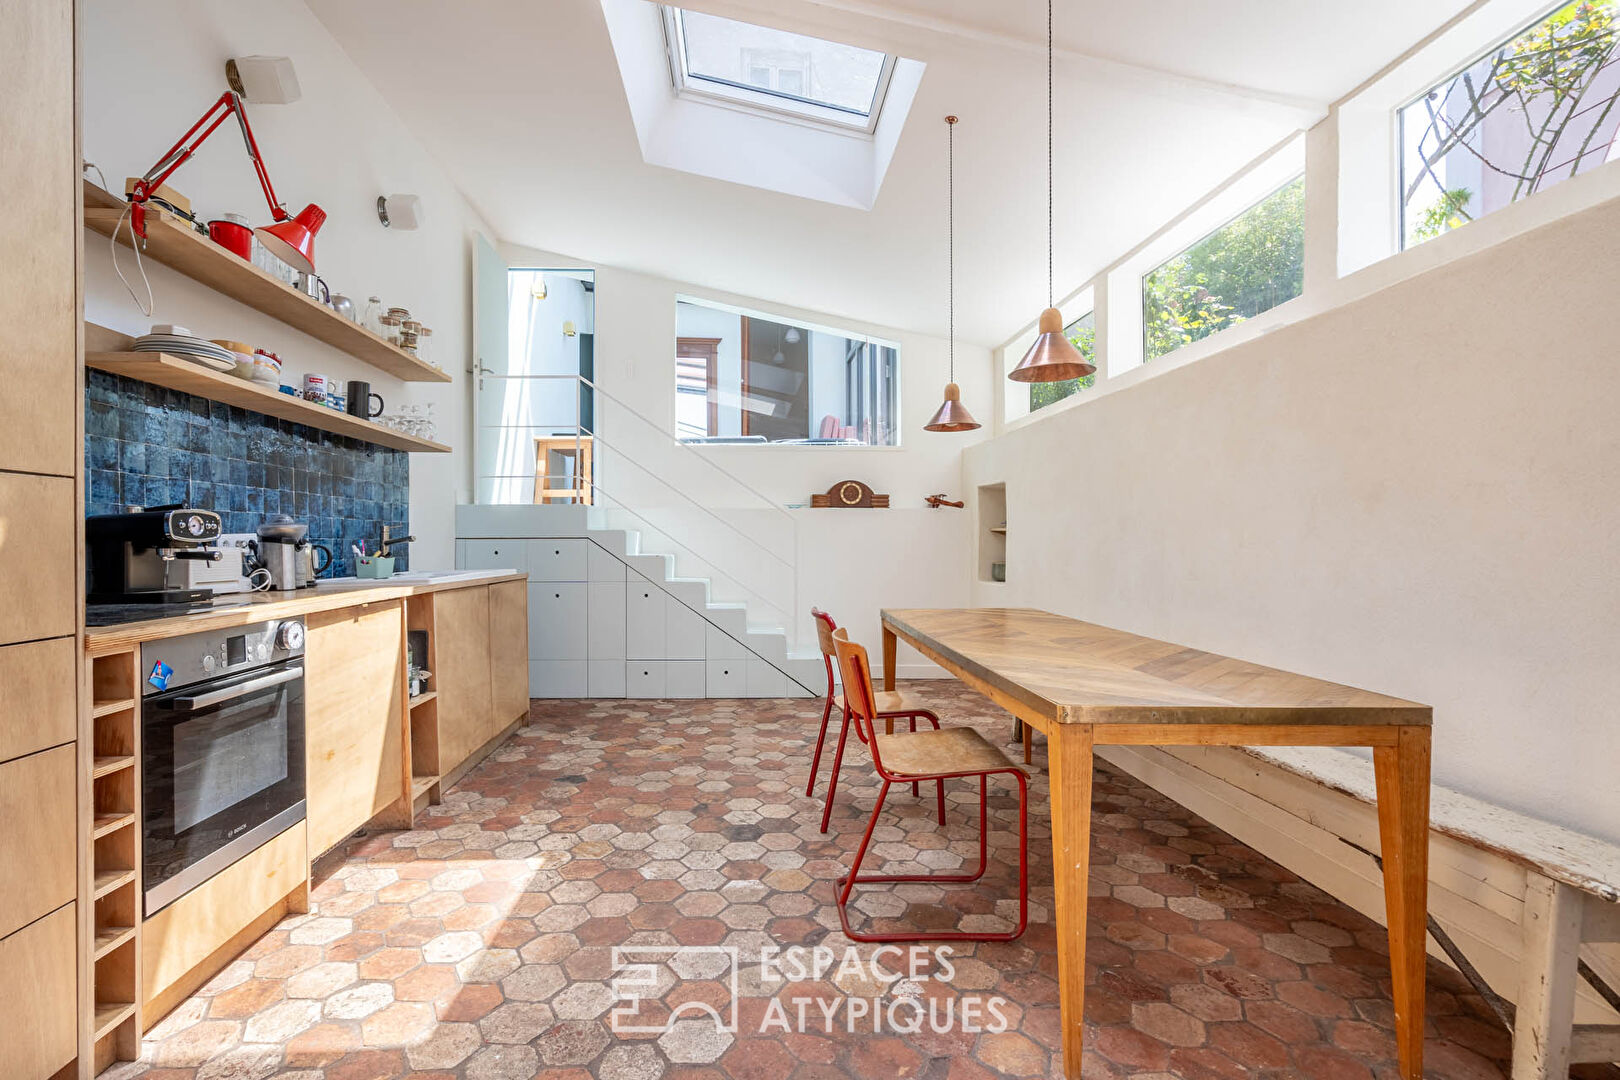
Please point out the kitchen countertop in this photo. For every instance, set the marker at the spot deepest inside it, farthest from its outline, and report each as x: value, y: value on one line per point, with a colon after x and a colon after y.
x: 239, y: 609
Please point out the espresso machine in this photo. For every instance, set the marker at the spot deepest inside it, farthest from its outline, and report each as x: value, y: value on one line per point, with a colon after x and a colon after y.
x: 133, y: 556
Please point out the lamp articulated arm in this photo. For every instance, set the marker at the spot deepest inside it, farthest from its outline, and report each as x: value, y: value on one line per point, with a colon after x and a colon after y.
x: 229, y: 103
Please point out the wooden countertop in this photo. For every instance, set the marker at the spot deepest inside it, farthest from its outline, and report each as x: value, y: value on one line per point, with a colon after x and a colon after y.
x: 239, y: 609
x: 1074, y: 672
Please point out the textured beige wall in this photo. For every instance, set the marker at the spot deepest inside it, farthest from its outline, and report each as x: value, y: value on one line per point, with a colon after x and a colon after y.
x: 1417, y: 492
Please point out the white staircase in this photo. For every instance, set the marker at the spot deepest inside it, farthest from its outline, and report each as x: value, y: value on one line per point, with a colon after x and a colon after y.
x: 675, y: 639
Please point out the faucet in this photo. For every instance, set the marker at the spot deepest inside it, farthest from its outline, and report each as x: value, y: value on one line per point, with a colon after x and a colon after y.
x: 389, y: 542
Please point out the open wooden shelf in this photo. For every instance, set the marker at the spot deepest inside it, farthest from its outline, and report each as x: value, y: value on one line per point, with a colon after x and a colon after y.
x: 107, y: 708
x: 110, y: 822
x: 106, y: 765
x: 110, y: 1014
x: 423, y: 698
x: 172, y: 372
x: 175, y: 244
x: 999, y: 530
x: 108, y: 880
x: 109, y: 938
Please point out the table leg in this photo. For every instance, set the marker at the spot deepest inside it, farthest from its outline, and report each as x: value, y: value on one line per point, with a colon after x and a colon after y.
x: 1069, y: 767
x: 1402, y: 773
x: 890, y: 646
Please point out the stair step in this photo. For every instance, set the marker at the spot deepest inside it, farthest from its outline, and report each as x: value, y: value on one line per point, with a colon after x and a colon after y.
x: 613, y: 541
x: 691, y: 591
x: 652, y: 567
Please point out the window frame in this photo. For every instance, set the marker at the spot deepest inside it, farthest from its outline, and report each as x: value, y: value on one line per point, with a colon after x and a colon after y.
x: 746, y: 98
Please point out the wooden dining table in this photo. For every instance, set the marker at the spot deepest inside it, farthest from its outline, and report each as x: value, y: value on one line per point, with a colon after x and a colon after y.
x: 1085, y: 686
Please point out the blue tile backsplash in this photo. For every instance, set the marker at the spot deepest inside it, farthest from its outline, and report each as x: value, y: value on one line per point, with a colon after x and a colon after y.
x: 146, y: 446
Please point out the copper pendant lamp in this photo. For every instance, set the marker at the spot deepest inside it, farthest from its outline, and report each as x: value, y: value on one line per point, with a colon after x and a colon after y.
x: 951, y: 415
x: 1053, y: 357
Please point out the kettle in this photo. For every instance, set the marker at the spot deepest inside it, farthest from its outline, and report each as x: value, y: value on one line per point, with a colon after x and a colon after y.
x: 309, y: 567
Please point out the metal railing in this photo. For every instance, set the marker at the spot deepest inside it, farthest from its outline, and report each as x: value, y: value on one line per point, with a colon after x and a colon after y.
x: 644, y: 458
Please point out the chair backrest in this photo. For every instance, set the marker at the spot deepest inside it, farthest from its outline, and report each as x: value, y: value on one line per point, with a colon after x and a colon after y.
x: 858, y: 693
x: 824, y: 631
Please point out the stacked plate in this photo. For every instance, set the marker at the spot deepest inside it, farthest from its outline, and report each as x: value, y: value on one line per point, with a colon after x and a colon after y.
x: 178, y: 341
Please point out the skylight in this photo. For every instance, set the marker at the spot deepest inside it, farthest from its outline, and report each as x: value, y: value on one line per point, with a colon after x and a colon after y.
x: 787, y: 73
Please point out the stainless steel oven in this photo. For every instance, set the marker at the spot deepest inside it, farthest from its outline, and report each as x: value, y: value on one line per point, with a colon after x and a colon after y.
x: 222, y: 751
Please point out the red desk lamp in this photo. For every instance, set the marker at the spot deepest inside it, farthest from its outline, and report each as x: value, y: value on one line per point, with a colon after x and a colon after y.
x: 290, y: 239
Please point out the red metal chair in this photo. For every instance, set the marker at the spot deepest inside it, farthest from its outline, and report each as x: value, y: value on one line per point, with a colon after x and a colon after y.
x: 892, y: 705
x: 912, y: 757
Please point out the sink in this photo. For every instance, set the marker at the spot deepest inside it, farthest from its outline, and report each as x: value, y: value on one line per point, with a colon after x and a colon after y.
x: 412, y: 577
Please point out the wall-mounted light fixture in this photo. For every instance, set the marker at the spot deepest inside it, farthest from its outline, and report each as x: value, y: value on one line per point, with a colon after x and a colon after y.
x: 568, y: 328
x: 263, y: 80
x: 399, y: 211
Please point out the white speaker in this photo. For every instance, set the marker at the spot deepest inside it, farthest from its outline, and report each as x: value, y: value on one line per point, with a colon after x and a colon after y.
x: 264, y: 80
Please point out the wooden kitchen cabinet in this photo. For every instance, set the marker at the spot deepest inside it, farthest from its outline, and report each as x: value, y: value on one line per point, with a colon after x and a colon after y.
x: 39, y: 516
x: 461, y: 625
x: 38, y: 799
x: 354, y: 719
x: 37, y: 996
x: 508, y: 653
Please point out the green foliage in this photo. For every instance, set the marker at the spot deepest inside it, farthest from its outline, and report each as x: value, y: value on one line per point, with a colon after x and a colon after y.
x: 1448, y: 212
x: 1557, y: 58
x: 1083, y: 335
x: 1250, y: 265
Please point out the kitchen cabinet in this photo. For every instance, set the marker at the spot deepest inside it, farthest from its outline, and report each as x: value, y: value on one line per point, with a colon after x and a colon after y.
x: 509, y: 654
x: 495, y: 555
x: 38, y: 571
x: 604, y: 679
x: 644, y: 619
x: 726, y: 678
x: 684, y: 679
x: 354, y: 723
x: 558, y: 678
x: 36, y: 714
x: 37, y: 996
x: 461, y: 651
x: 644, y: 678
x: 37, y: 801
x: 557, y: 560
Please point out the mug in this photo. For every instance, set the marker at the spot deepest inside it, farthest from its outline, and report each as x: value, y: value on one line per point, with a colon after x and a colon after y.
x: 315, y: 387
x: 360, y: 396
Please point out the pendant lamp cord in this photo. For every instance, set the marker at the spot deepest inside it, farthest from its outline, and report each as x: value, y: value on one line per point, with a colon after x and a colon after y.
x: 1049, y: 202
x: 950, y: 232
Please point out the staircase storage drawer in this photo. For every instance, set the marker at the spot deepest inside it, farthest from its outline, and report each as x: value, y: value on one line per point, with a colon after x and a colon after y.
x: 601, y: 564
x: 557, y: 560
x: 557, y: 620
x: 644, y: 619
x: 720, y: 645
x: 495, y: 555
x: 726, y: 678
x: 557, y: 678
x: 604, y: 678
x: 765, y: 680
x: 685, y: 679
x: 685, y: 632
x: 644, y: 679
x: 604, y: 622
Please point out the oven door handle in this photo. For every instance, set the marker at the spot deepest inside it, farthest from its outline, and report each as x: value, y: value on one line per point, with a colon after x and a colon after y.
x: 230, y: 693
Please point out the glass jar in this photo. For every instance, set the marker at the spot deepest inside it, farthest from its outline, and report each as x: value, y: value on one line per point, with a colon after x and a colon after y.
x: 408, y: 332
x: 390, y: 329
x: 372, y: 318
x: 424, y: 345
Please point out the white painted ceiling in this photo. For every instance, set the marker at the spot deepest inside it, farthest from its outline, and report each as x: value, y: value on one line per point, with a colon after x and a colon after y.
x: 521, y: 102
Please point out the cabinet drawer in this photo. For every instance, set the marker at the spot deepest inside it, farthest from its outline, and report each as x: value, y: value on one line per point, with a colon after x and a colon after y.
x: 644, y: 679
x: 36, y: 709
x: 39, y: 998
x: 557, y: 678
x: 557, y: 560
x: 604, y: 622
x: 37, y: 847
x: 496, y: 555
x: 37, y: 596
x: 726, y: 678
x: 557, y: 620
x: 643, y: 619
x: 604, y: 678
x: 764, y: 680
x: 719, y: 645
x: 685, y: 679
x: 685, y: 632
x: 602, y: 565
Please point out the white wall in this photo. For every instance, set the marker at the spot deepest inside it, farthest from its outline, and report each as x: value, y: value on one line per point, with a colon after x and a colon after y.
x: 1414, y: 492
x: 150, y: 71
x: 850, y: 562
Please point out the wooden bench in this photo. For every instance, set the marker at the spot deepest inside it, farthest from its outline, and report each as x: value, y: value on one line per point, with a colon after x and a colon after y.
x: 1527, y: 910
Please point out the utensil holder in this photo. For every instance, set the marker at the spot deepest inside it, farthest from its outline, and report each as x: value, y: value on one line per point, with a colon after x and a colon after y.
x: 374, y: 566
